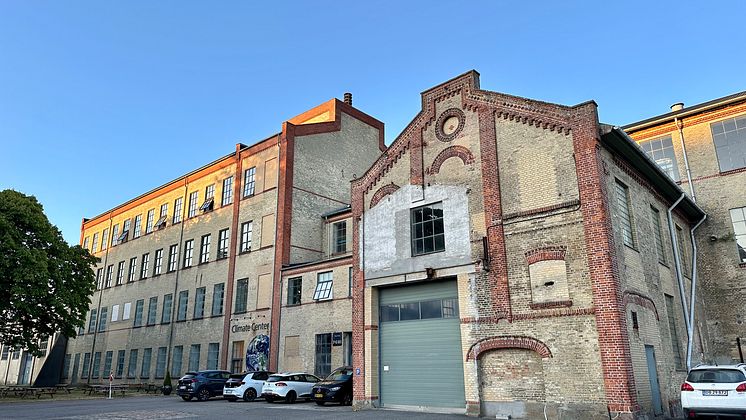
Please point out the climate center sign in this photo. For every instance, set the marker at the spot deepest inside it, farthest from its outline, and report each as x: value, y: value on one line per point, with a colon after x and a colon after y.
x: 253, y: 327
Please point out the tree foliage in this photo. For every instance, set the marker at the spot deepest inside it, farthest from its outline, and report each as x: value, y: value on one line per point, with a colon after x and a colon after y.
x: 45, y: 283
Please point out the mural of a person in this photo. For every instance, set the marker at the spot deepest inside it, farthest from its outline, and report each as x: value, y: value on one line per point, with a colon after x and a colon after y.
x: 257, y: 353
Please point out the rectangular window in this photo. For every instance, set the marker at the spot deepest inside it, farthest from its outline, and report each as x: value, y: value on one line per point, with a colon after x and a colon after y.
x: 126, y: 311
x: 115, y: 235
x: 173, y: 255
x: 132, y: 269
x: 102, y: 319
x: 227, y: 191
x: 670, y: 308
x: 295, y: 286
x: 242, y: 296
x: 349, y: 283
x: 65, y: 364
x: 99, y: 278
x: 661, y: 152
x: 212, y: 355
x: 340, y: 237
x: 188, y: 252
x: 94, y: 248
x: 115, y: 313
x: 324, y: 283
x: 729, y: 137
x: 92, y: 322
x: 199, y: 303
x: 738, y: 217
x: 166, y: 311
x: 323, y: 365
x: 428, y: 235
x: 178, y: 203
x: 96, y: 370
x: 152, y: 310
x: 635, y: 324
x: 656, y: 219
x: 150, y: 219
x: 145, y: 368
x: 248, y: 182
x: 178, y: 356
x: 86, y: 241
x: 160, y: 363
x: 132, y: 367
x: 245, y: 237
x: 192, y: 204
x: 138, y: 312
x: 145, y: 266
x: 223, y: 244
x: 237, y: 357
x: 158, y: 262
x: 6, y: 351
x: 194, y: 357
x: 125, y: 231
x: 183, y: 304
x: 107, y: 364
x: 105, y: 239
x: 86, y: 366
x: 217, y: 299
x: 624, y: 210
x: 204, y: 249
x: 120, y: 364
x: 164, y: 210
x: 120, y: 273
x: 138, y: 226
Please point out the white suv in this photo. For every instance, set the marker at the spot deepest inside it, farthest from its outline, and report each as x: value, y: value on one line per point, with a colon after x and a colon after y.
x: 289, y: 386
x: 715, y: 390
x: 247, y: 385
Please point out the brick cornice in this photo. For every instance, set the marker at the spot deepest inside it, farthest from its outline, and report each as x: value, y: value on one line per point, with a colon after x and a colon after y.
x: 507, y: 342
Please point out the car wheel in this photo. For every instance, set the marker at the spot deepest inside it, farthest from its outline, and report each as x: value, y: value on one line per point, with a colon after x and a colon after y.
x: 203, y: 394
x: 320, y: 402
x: 347, y: 400
x: 249, y: 395
x: 290, y: 398
x: 186, y: 397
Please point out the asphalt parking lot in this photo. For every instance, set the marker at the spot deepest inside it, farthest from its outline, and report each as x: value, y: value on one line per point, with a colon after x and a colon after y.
x: 159, y: 407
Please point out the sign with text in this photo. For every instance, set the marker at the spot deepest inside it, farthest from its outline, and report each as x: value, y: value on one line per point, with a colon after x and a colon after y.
x: 337, y: 339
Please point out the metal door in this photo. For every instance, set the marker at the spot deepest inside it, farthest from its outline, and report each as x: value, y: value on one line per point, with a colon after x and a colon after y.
x: 76, y: 365
x: 655, y: 390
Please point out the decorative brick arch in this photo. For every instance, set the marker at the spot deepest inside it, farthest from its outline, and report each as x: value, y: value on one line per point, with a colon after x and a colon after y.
x: 639, y: 300
x: 460, y: 152
x: 382, y: 192
x: 545, y: 254
x: 507, y: 342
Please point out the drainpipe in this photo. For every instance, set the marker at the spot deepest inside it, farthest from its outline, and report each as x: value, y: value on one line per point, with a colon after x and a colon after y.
x: 174, y: 302
x: 692, y: 299
x: 677, y: 262
x: 680, y: 125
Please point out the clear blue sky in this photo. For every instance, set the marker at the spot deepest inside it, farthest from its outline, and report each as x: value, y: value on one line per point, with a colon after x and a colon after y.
x: 101, y: 101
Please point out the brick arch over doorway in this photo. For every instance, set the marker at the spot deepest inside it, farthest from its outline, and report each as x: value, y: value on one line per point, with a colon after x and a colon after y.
x: 508, y: 342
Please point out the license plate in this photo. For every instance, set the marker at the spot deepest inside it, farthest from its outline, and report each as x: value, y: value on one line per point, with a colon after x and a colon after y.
x: 319, y: 395
x: 182, y: 387
x: 713, y: 393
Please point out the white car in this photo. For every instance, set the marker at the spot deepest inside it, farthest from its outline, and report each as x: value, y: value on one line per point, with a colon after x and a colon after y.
x: 715, y: 391
x: 289, y: 386
x: 247, y: 385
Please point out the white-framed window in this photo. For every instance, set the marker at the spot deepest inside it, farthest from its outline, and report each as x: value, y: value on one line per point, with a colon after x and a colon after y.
x: 245, y: 237
x: 738, y: 217
x: 192, y: 204
x: 178, y: 203
x: 248, y: 181
x: 149, y: 221
x: 661, y: 152
x: 324, y: 286
x: 227, y: 191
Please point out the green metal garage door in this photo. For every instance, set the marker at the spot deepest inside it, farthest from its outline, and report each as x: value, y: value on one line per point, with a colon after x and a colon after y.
x: 421, y: 360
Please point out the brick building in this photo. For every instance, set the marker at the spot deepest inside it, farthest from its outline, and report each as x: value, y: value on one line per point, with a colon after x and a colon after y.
x: 703, y: 148
x: 513, y: 256
x: 190, y: 271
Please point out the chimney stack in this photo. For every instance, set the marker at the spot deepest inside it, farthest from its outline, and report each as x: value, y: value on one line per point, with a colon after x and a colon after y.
x: 348, y: 98
x: 677, y: 106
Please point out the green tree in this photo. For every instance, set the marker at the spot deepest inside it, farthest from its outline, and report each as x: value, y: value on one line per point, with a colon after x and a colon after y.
x: 45, y: 284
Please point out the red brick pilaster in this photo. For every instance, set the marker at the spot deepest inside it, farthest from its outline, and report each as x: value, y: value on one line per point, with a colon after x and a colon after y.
x: 358, y: 299
x: 614, y: 345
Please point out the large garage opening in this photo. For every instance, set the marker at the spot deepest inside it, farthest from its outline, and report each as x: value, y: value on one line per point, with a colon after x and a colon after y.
x: 420, y: 346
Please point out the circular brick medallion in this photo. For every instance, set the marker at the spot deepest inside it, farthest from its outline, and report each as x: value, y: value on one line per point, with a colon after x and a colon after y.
x: 449, y: 124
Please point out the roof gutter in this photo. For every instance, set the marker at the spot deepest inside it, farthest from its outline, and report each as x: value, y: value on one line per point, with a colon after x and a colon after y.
x: 686, y: 112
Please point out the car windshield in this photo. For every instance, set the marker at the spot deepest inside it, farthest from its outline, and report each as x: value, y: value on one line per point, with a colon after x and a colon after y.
x: 238, y: 376
x: 340, y: 375
x: 716, y: 376
x: 275, y: 378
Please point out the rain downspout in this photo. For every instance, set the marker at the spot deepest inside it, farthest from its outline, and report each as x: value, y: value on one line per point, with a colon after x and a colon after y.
x: 680, y: 125
x: 677, y: 262
x: 692, y: 299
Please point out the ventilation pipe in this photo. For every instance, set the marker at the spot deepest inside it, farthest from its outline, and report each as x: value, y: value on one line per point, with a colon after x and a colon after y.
x: 348, y: 98
x: 677, y: 263
x: 680, y: 125
x: 690, y: 332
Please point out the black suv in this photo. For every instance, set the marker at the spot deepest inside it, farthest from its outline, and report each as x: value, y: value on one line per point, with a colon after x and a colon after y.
x: 203, y: 384
x: 337, y: 387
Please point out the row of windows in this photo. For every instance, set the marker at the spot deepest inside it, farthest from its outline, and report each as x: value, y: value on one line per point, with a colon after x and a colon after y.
x: 15, y: 354
x: 151, y: 224
x: 94, y: 369
x: 106, y: 279
x: 323, y: 291
x: 729, y: 138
